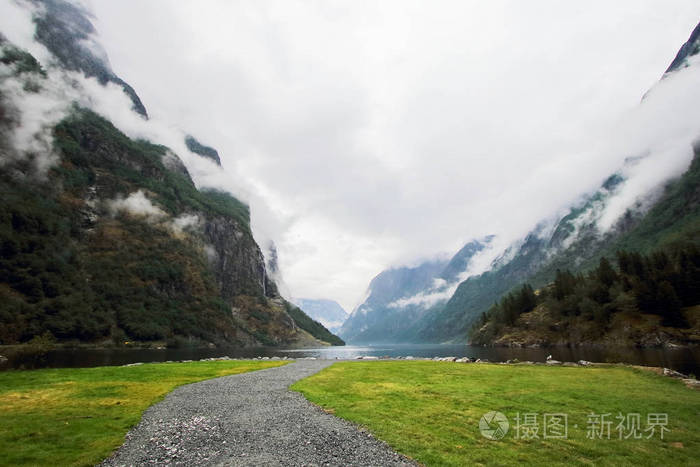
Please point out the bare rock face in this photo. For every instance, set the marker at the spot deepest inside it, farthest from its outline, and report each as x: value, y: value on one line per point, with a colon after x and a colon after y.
x: 172, y: 162
x: 237, y: 262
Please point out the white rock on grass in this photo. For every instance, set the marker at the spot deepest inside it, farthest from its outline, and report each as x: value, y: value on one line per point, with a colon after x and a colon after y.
x: 673, y: 373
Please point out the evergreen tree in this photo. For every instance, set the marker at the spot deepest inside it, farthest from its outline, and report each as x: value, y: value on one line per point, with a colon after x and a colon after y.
x: 605, y: 272
x: 669, y: 306
x: 564, y: 284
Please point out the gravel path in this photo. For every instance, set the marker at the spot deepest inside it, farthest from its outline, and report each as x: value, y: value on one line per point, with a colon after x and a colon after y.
x: 249, y: 419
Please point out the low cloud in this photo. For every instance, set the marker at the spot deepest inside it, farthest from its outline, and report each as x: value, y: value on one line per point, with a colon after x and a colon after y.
x: 32, y: 106
x: 186, y: 222
x: 136, y: 204
x: 661, y: 132
x: 442, y: 290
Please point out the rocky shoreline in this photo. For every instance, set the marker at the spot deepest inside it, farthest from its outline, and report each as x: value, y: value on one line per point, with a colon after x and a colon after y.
x: 688, y: 380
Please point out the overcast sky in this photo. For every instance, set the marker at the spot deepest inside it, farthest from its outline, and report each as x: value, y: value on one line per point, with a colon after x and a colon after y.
x: 371, y: 134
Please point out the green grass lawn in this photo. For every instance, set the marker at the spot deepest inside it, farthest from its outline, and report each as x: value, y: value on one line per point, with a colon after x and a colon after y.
x: 430, y: 411
x: 79, y: 416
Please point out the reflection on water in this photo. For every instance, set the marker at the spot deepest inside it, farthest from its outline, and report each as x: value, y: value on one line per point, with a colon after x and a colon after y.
x: 684, y: 360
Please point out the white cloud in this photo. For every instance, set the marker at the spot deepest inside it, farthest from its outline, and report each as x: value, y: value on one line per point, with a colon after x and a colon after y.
x: 16, y: 25
x: 186, y: 221
x: 662, y: 132
x: 443, y: 290
x: 33, y: 105
x: 136, y: 204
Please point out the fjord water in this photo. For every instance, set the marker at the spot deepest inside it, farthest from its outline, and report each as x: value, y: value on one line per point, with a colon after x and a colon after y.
x: 685, y: 360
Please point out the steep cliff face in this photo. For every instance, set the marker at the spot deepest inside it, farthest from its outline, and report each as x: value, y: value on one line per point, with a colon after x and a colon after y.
x: 237, y: 262
x: 107, y: 238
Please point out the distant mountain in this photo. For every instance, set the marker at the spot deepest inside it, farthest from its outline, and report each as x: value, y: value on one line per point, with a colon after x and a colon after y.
x: 461, y: 261
x: 398, y: 298
x: 105, y: 238
x: 327, y: 312
x: 572, y: 240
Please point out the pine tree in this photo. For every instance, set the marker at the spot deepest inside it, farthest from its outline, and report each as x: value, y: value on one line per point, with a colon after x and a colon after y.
x: 605, y: 272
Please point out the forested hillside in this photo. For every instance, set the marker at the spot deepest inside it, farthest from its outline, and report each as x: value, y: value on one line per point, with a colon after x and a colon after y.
x: 106, y: 238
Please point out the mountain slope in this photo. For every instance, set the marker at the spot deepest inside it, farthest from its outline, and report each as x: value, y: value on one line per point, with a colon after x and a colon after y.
x: 569, y: 240
x: 313, y: 327
x: 657, y: 218
x: 675, y: 216
x: 632, y: 300
x: 375, y: 320
x: 104, y: 237
x: 616, y: 216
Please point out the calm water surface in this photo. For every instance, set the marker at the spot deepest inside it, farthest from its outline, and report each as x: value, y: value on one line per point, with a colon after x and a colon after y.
x: 685, y: 360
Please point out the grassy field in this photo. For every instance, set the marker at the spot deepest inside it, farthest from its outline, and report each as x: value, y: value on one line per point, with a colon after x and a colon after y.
x: 79, y: 416
x: 430, y: 411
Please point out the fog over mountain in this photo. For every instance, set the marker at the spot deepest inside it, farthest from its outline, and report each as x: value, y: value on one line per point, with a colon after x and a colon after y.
x: 359, y: 147
x: 650, y: 201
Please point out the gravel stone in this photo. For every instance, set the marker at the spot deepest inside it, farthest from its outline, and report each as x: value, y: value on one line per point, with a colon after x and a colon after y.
x: 250, y: 419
